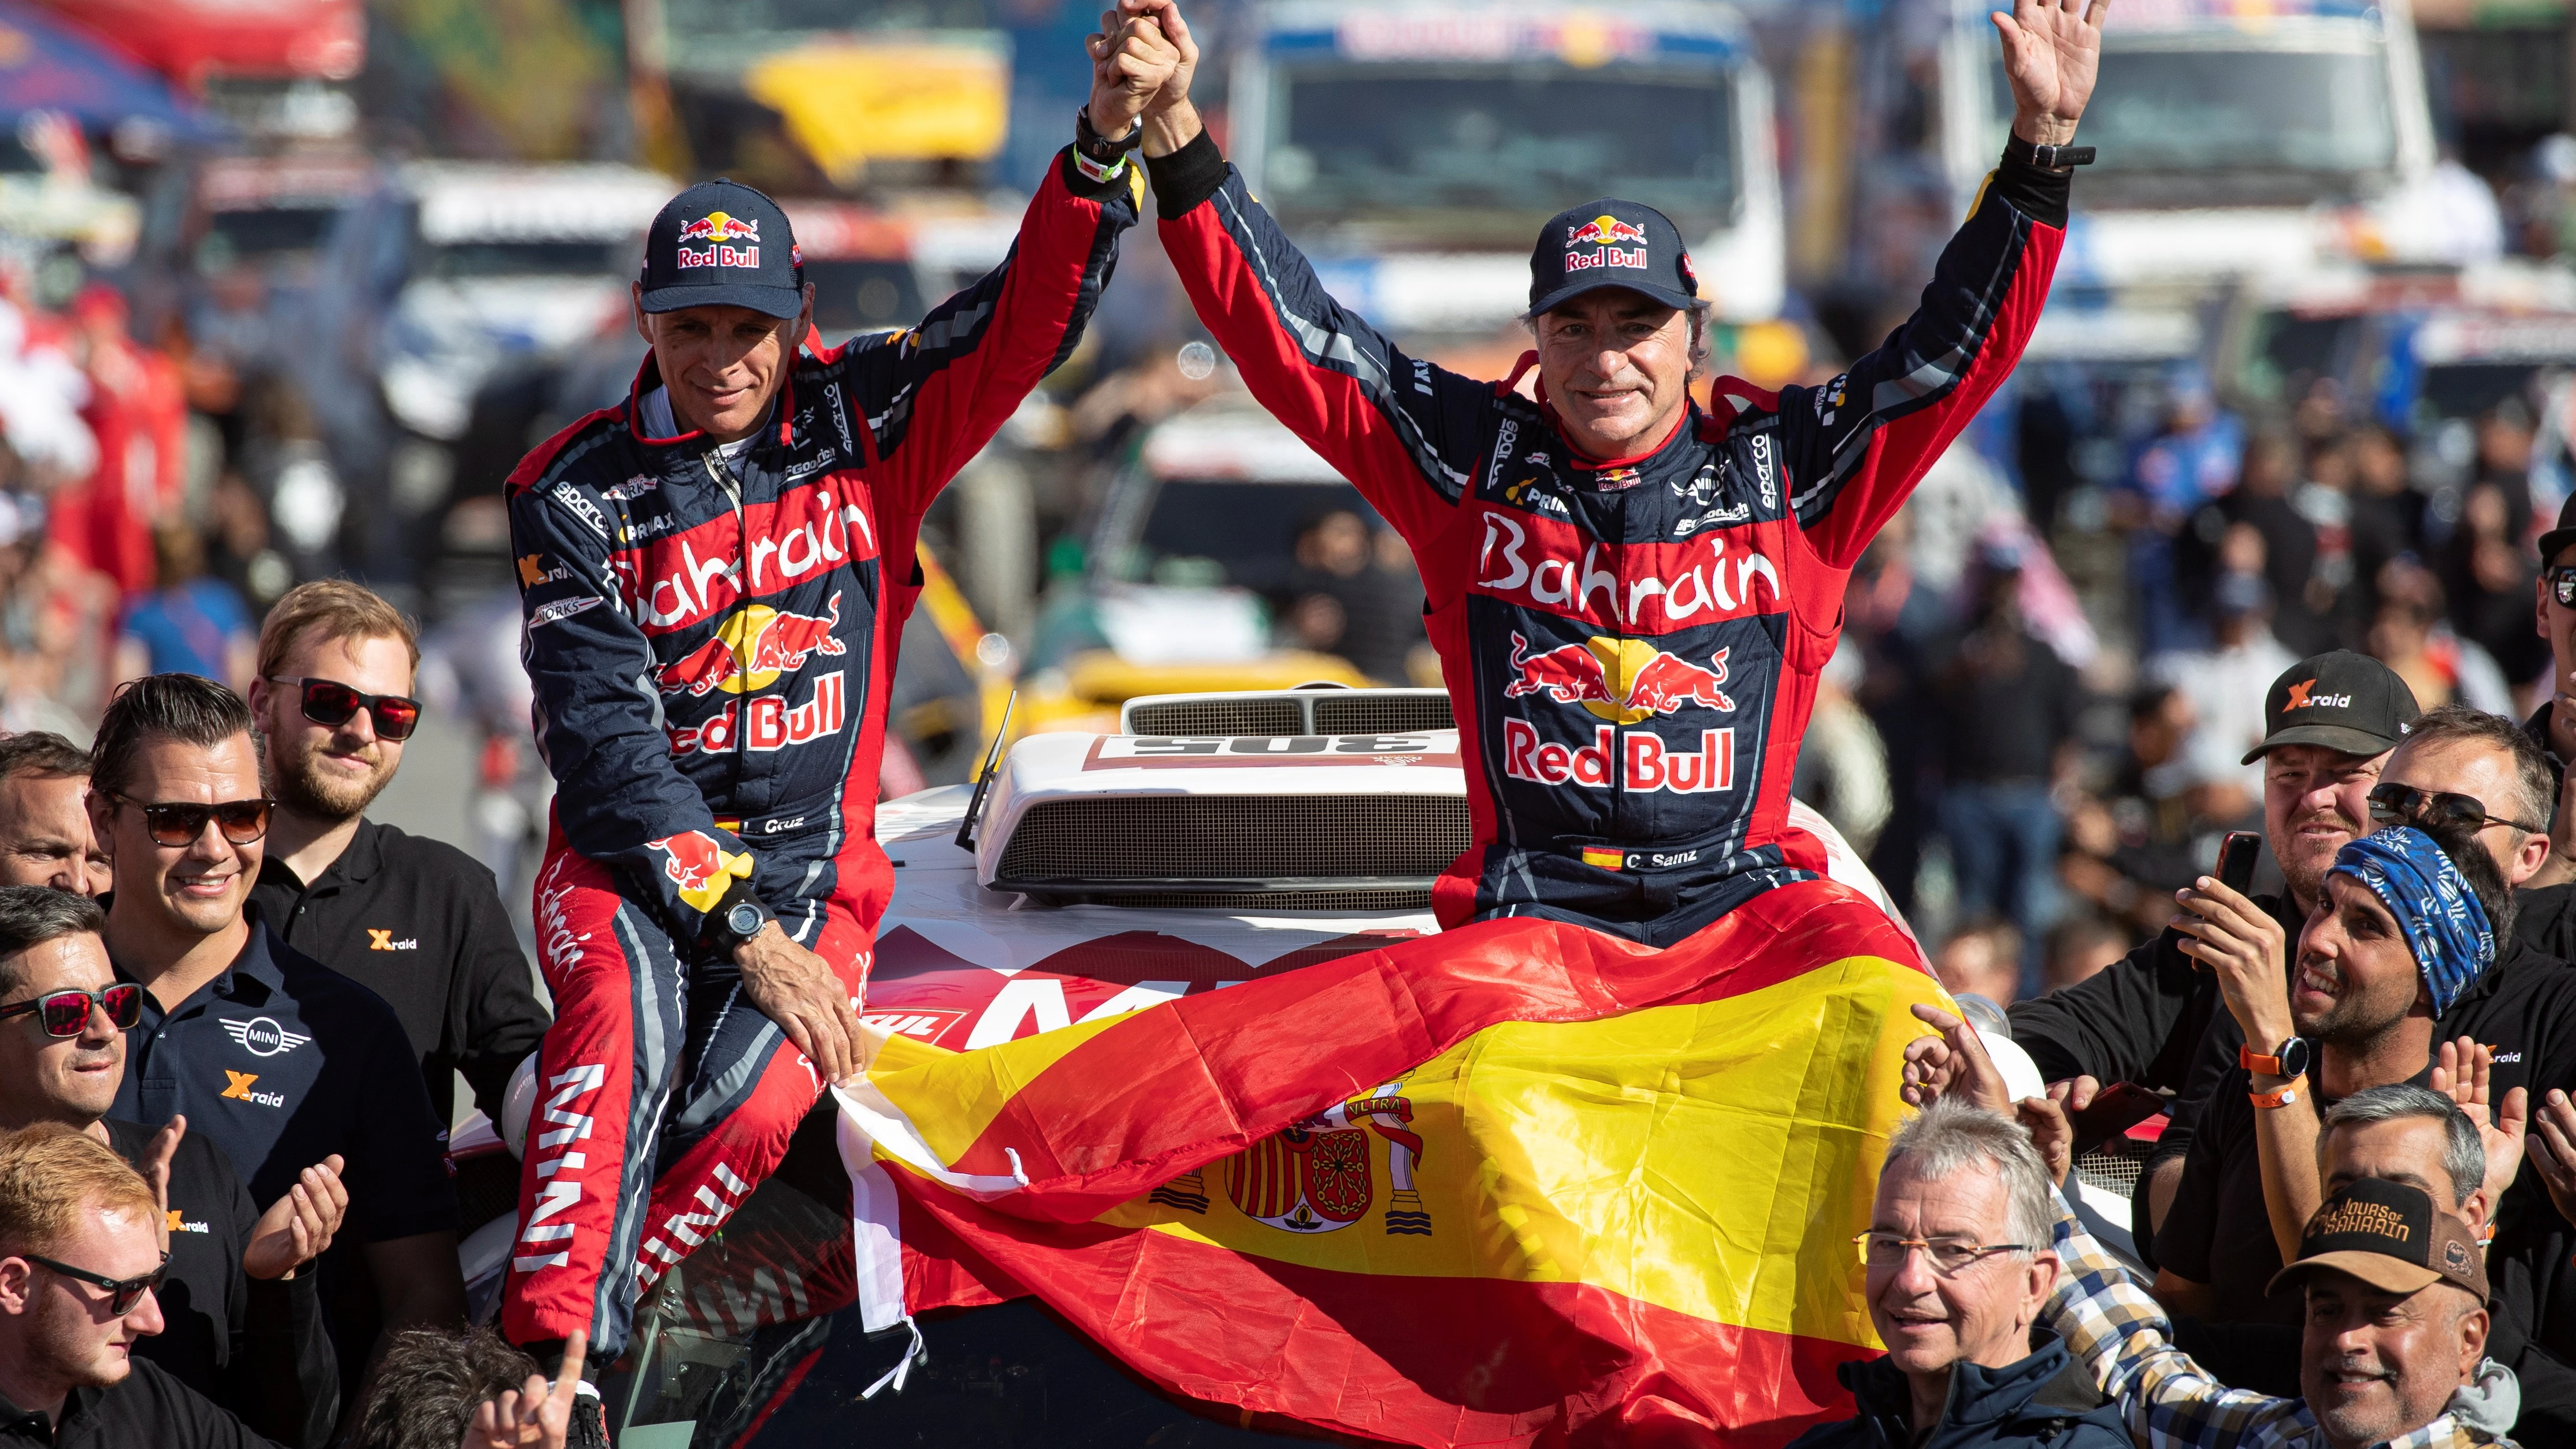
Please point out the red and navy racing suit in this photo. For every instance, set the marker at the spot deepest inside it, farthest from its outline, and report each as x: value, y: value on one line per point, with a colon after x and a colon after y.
x: 1632, y: 646
x: 711, y: 643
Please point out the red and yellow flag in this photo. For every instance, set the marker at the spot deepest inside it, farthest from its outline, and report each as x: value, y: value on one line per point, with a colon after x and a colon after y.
x: 1516, y: 1183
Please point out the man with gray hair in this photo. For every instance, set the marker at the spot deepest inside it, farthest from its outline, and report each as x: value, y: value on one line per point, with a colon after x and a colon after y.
x: 44, y: 825
x: 1960, y: 1268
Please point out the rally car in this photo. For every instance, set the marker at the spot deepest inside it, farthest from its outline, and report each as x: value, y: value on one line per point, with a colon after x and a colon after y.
x: 1210, y: 840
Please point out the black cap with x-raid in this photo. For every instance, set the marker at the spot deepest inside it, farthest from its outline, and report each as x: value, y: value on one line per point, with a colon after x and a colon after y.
x: 723, y: 244
x: 2341, y: 700
x: 1608, y: 243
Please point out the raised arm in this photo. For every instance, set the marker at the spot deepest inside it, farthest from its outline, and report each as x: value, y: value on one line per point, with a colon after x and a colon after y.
x: 1404, y: 432
x: 1858, y: 444
x: 927, y: 399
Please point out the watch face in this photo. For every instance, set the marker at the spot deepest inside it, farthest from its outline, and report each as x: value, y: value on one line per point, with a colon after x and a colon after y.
x: 2294, y: 1057
x: 743, y: 920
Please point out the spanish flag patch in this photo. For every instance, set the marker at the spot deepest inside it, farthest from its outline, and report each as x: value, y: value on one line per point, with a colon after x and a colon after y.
x: 1603, y: 857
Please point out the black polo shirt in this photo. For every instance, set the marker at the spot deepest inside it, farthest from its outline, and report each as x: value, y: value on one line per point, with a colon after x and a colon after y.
x: 147, y: 1406
x: 255, y: 1347
x: 282, y: 1061
x: 421, y: 924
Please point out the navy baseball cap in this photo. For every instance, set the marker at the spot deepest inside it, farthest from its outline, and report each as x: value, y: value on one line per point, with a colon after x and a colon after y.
x: 1609, y: 243
x: 723, y: 244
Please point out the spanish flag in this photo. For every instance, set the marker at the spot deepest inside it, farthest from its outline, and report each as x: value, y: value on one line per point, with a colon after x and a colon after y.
x: 1516, y: 1183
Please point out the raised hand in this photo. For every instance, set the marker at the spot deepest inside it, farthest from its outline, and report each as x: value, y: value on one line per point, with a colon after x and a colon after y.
x: 297, y: 1227
x: 2243, y: 947
x: 2552, y: 1147
x: 1130, y: 63
x: 2051, y: 1129
x: 1951, y: 1064
x: 2052, y: 49
x: 2463, y: 1072
x: 534, y: 1414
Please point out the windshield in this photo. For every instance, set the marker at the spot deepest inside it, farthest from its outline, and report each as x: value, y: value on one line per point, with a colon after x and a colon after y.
x: 1211, y: 534
x: 747, y: 17
x: 1524, y: 138
x: 466, y: 261
x: 270, y: 232
x: 2202, y: 110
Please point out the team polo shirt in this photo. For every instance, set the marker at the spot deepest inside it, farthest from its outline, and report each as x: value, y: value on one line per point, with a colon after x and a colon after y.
x: 421, y: 924
x: 282, y: 1061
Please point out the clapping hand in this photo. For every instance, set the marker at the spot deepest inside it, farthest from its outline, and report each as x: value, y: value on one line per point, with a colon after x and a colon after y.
x: 297, y: 1227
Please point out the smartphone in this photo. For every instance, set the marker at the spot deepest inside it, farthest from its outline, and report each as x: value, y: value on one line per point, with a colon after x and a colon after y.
x: 2237, y: 857
x: 2116, y: 1108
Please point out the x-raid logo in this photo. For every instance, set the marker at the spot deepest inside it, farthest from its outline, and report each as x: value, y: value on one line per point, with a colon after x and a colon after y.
x: 2300, y: 698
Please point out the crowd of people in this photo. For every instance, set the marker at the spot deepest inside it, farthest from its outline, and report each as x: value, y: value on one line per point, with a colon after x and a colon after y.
x: 233, y: 1007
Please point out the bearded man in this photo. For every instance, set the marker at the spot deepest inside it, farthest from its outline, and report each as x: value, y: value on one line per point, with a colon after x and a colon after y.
x: 418, y: 922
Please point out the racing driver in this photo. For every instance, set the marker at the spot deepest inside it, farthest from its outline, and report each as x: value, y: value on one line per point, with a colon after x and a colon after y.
x: 1631, y: 597
x: 714, y: 578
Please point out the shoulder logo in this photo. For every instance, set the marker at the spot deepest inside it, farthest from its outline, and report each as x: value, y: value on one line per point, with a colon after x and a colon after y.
x: 635, y: 487
x: 178, y: 1222
x: 384, y: 941
x: 562, y: 609
x: 261, y: 1036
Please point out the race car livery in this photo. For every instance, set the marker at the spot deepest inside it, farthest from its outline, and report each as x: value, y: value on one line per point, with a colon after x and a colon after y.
x: 1632, y: 645
x: 710, y: 638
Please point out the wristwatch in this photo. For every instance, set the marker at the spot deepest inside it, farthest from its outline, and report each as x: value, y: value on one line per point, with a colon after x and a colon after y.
x: 1099, y: 149
x: 2047, y: 158
x: 740, y: 916
x: 2290, y: 1059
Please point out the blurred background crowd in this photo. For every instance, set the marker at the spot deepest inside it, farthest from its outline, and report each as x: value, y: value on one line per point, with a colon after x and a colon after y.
x: 286, y: 289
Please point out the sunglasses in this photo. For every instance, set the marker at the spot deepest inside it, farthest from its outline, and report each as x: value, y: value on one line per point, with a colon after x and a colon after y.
x: 329, y: 702
x: 122, y: 1293
x: 2562, y: 584
x: 2391, y: 804
x: 174, y: 825
x: 66, y: 1013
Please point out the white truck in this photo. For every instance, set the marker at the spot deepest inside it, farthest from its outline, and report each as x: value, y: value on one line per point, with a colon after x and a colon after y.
x: 2237, y: 142
x: 1413, y: 148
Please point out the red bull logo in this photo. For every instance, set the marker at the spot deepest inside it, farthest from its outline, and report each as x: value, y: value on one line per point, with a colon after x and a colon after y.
x: 1620, y: 680
x: 719, y: 229
x: 771, y: 723
x: 752, y: 648
x: 699, y: 868
x: 1604, y: 231
x: 1638, y: 765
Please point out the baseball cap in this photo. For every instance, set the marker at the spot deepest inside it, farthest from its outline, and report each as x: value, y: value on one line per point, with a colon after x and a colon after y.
x: 1609, y: 243
x: 2561, y: 536
x: 2341, y: 700
x: 723, y: 244
x: 2390, y: 1236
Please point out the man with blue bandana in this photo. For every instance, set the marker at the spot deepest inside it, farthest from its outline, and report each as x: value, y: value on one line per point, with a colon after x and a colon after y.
x: 2407, y: 923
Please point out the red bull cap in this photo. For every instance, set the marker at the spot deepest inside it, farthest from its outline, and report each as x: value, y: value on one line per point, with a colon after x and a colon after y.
x: 721, y: 243
x: 1610, y: 243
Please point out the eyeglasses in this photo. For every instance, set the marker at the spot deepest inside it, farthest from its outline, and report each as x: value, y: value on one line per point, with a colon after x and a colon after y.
x: 177, y: 824
x: 1950, y: 1256
x: 329, y: 702
x: 2390, y: 804
x: 66, y: 1013
x: 2562, y: 584
x: 122, y: 1293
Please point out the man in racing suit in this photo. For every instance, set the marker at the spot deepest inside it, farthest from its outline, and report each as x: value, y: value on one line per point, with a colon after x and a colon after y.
x: 714, y: 577
x: 1631, y: 598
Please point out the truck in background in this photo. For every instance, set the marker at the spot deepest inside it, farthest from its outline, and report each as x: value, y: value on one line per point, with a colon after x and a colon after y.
x: 1413, y: 148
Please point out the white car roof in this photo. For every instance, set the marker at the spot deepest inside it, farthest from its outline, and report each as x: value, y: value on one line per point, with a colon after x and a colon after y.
x: 477, y: 201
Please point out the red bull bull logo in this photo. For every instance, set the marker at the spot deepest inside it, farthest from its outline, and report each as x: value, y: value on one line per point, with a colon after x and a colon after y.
x: 752, y: 648
x: 718, y: 229
x: 1604, y: 231
x: 699, y: 867
x: 1620, y: 680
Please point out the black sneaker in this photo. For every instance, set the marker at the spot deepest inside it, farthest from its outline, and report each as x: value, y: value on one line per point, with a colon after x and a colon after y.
x: 589, y: 1427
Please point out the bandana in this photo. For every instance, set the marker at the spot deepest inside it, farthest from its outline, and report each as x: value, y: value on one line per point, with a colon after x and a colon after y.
x: 2444, y: 924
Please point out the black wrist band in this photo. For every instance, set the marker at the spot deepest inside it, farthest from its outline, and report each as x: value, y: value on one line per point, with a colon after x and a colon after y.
x: 2046, y: 158
x: 1099, y: 148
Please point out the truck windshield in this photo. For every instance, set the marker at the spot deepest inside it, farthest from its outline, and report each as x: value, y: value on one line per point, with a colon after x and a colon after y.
x: 464, y: 261
x: 1388, y: 139
x: 743, y: 17
x: 2203, y: 109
